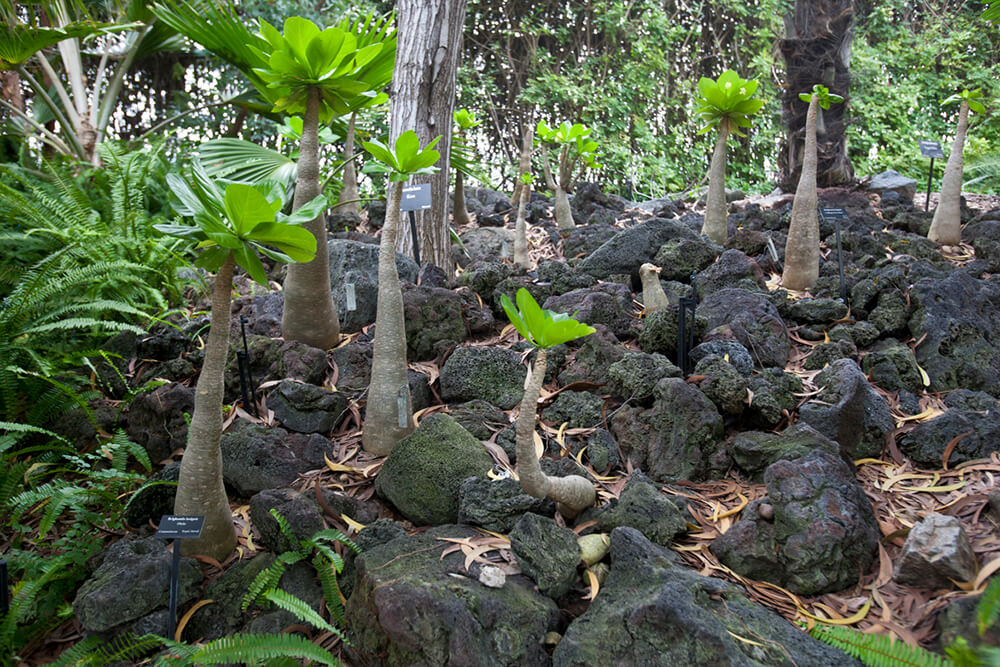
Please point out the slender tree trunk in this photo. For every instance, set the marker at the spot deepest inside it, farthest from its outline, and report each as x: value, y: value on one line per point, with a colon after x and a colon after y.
x: 573, y: 493
x: 389, y: 375
x: 802, y: 247
x: 564, y: 213
x: 423, y: 100
x: 521, y: 257
x: 524, y: 165
x: 460, y: 213
x: 310, y: 316
x: 348, y: 200
x: 200, y: 490
x: 946, y: 228
x: 716, y: 217
x: 10, y: 89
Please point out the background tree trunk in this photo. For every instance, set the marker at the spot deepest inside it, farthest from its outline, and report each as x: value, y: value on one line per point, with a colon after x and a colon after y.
x: 459, y: 211
x: 423, y: 100
x: 817, y: 49
x: 347, y: 202
x: 946, y: 228
x: 716, y: 217
x: 524, y: 165
x: 802, y: 247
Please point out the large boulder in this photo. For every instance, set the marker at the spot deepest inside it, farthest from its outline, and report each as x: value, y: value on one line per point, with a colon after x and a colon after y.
x: 489, y: 373
x: 609, y: 304
x: 255, y: 458
x: 433, y: 317
x: 754, y: 451
x: 893, y: 181
x: 630, y: 248
x: 547, y: 552
x: 158, y: 420
x: 652, y: 611
x: 356, y: 263
x: 751, y: 320
x: 976, y: 435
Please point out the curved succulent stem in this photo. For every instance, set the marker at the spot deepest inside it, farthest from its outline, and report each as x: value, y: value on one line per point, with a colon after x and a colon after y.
x: 802, y: 247
x: 946, y: 228
x: 716, y: 219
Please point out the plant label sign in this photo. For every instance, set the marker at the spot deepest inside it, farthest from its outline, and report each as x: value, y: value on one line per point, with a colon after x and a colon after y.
x: 931, y: 149
x: 352, y: 298
x: 173, y: 527
x: 416, y: 197
x: 833, y: 213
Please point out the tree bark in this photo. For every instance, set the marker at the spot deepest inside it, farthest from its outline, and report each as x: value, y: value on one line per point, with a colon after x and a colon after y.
x: 200, y: 490
x: 572, y: 494
x: 423, y: 100
x: 802, y: 247
x: 309, y: 316
x: 716, y: 219
x: 389, y: 376
x: 347, y: 202
x: 946, y: 228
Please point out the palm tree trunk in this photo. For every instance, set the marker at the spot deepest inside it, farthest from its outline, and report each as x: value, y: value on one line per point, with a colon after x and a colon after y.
x: 802, y: 247
x: 310, y: 316
x: 200, y: 490
x: 946, y: 228
x: 348, y: 200
x: 521, y: 257
x: 716, y: 219
x: 460, y: 214
x: 573, y: 493
x: 389, y: 388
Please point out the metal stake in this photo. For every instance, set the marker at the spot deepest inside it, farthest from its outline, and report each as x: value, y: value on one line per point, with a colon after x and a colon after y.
x: 930, y: 176
x: 413, y: 231
x: 175, y: 570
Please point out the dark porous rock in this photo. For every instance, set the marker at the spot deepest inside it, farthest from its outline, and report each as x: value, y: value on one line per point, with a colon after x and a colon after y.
x: 893, y: 181
x: 356, y: 263
x: 580, y: 409
x: 630, y: 248
x: 376, y: 213
x: 344, y: 221
x: 960, y: 619
x: 562, y: 277
x: 978, y: 435
x: 131, y: 581
x: 892, y: 366
x: 734, y: 353
x: 306, y: 408
x: 478, y: 316
x: 964, y: 399
x: 585, y: 239
x: 163, y: 343
x: 723, y: 384
x: 158, y: 420
x: 302, y: 514
x: 641, y: 506
x: 112, y: 368
x: 480, y: 418
x: 654, y: 612
x: 862, y: 334
x: 433, y: 317
x: 748, y: 241
x: 731, y: 269
x: 821, y: 535
x: 677, y: 438
x: 423, y: 473
x: 432, y: 275
x: 275, y: 359
x: 547, y: 553
x: 818, y: 311
x: 660, y: 331
x: 264, y: 314
x: 592, y: 359
x: 960, y: 316
x: 773, y: 396
x: 849, y: 411
x: 751, y: 320
x: 381, y: 531
x: 489, y: 373
x: 754, y: 451
x: 410, y: 606
x: 602, y: 450
x: 590, y: 204
x: 985, y: 239
x: 174, y: 370
x: 891, y: 314
x: 483, y: 277
x: 936, y: 552
x: 336, y: 503
x: 679, y: 258
x: 609, y: 304
x: 497, y: 504
x: 255, y: 458
x: 484, y: 243
x: 510, y: 286
x: 490, y: 201
x: 154, y: 498
x: 635, y: 375
x: 824, y: 354
x: 420, y: 390
x: 224, y: 616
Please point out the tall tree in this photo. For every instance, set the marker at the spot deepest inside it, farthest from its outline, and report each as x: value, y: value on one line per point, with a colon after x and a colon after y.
x: 423, y: 100
x: 817, y: 50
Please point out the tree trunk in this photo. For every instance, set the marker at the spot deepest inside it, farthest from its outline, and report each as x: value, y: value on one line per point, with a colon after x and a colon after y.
x: 460, y: 214
x: 310, y: 316
x: 564, y: 213
x: 946, y: 228
x: 817, y: 49
x: 389, y: 376
x: 572, y: 494
x: 200, y: 490
x: 348, y: 200
x: 423, y: 100
x: 653, y: 296
x: 802, y: 247
x: 716, y: 217
x: 521, y: 257
x: 524, y: 165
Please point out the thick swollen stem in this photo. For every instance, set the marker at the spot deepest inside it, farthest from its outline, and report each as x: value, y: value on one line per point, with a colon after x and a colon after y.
x: 521, y: 257
x: 347, y: 202
x: 524, y: 164
x: 573, y: 493
x: 200, y: 490
x: 310, y: 316
x: 716, y: 219
x: 946, y: 228
x: 564, y: 214
x: 802, y: 247
x: 460, y: 212
x: 389, y: 401
x: 653, y: 296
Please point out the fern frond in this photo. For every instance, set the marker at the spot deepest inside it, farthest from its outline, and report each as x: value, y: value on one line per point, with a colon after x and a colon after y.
x: 876, y: 650
x: 97, y: 652
x: 300, y: 609
x: 331, y: 588
x: 988, y: 607
x: 284, y: 527
x: 251, y: 648
x: 121, y: 448
x: 266, y: 579
x: 333, y: 535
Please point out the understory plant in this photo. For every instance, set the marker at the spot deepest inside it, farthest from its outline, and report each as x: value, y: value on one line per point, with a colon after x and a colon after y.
x: 544, y: 329
x: 521, y: 257
x: 464, y: 121
x: 946, y: 227
x: 726, y: 103
x: 389, y: 410
x: 576, y: 149
x: 802, y: 248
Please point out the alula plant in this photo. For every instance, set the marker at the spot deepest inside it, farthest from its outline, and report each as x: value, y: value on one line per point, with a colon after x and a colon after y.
x: 726, y: 103
x: 464, y: 121
x: 388, y: 415
x: 576, y: 149
x: 521, y: 257
x: 802, y: 247
x: 544, y: 329
x: 231, y: 223
x: 946, y: 228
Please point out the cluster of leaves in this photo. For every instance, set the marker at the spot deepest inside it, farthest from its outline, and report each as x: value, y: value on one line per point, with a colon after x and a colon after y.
x: 729, y: 97
x: 542, y: 328
x: 575, y: 139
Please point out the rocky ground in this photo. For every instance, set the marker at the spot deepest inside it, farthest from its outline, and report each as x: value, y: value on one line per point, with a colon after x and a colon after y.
x: 818, y: 460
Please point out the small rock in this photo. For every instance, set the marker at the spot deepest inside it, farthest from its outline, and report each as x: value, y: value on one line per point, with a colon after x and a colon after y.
x: 937, y: 550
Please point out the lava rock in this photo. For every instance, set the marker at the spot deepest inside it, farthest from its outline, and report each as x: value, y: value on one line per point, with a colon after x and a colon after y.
x: 679, y: 258
x: 488, y: 373
x: 936, y: 552
x: 722, y: 384
x: 630, y: 248
x: 751, y: 320
x: 547, y: 552
x: 580, y: 409
x: 893, y: 181
x: 773, y: 397
x: 731, y: 269
x: 609, y: 304
x: 754, y: 451
x: 255, y: 458
x: 158, y: 420
x: 306, y: 408
x: 635, y: 375
x: 734, y: 353
x: 892, y: 366
x: 641, y: 506
x: 356, y: 263
x: 434, y: 321
x: 271, y: 359
x: 977, y: 435
x: 592, y: 359
x: 302, y: 514
x: 497, y: 504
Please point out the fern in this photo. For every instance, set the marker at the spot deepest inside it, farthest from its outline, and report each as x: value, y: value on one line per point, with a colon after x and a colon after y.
x: 876, y: 650
x: 98, y: 652
x: 269, y: 577
x: 254, y: 648
x: 988, y: 607
x: 327, y: 574
x: 297, y: 606
x: 120, y: 448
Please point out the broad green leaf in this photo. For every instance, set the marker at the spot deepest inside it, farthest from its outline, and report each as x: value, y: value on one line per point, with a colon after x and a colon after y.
x: 307, y: 212
x: 407, y: 147
x: 296, y: 242
x: 534, y: 317
x: 564, y: 331
x: 515, y: 318
x: 380, y: 152
x: 246, y: 207
x: 211, y: 259
x: 298, y: 33
x: 248, y: 259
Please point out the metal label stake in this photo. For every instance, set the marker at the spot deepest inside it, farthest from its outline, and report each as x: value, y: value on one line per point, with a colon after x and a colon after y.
x: 931, y: 149
x: 415, y: 198
x: 836, y: 214
x: 243, y: 364
x: 177, y: 528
